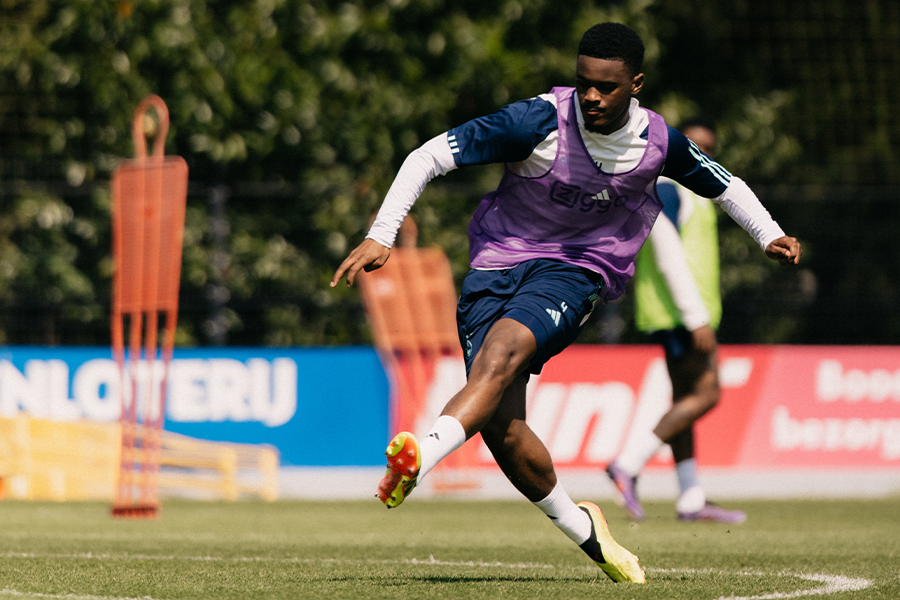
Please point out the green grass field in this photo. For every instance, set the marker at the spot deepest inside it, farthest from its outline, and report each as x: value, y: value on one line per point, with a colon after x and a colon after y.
x: 440, y: 550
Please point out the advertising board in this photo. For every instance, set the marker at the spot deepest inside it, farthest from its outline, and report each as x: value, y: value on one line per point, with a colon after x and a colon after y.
x: 781, y: 406
x: 318, y: 406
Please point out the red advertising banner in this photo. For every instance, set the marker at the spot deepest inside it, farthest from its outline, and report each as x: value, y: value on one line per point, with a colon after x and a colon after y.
x: 781, y: 406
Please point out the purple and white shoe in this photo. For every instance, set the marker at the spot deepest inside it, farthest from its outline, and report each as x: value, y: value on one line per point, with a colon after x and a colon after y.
x: 713, y: 512
x: 627, y: 487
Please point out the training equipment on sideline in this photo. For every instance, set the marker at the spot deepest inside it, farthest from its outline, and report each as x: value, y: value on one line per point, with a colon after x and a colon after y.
x: 149, y: 196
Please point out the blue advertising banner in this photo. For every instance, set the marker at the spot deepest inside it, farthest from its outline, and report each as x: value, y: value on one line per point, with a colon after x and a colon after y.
x: 318, y: 406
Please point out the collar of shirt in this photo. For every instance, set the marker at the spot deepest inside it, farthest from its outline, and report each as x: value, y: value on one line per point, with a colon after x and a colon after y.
x: 622, y: 149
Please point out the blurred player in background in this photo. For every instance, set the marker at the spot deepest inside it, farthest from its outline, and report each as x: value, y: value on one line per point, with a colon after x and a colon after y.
x: 677, y: 301
x: 576, y: 203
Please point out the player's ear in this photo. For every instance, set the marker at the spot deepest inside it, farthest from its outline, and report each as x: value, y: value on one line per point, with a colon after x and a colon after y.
x: 637, y: 83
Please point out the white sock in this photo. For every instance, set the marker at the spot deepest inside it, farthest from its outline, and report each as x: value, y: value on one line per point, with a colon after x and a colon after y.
x: 686, y: 470
x: 637, y: 452
x: 691, y: 500
x: 566, y: 515
x: 445, y: 436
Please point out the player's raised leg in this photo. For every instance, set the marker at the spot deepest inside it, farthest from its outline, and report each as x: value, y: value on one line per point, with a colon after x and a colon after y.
x: 507, y: 349
x: 409, y: 460
x: 403, y: 464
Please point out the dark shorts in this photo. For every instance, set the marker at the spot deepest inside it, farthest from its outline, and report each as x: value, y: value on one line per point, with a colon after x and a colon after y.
x: 676, y: 342
x: 553, y: 299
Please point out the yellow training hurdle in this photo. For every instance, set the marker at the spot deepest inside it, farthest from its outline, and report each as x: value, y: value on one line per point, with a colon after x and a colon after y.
x: 48, y: 460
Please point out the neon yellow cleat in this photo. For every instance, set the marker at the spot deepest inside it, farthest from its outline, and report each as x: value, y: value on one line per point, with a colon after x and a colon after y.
x: 617, y: 562
x: 403, y: 463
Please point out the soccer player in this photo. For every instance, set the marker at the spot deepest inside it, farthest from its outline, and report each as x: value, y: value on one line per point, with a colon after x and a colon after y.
x: 677, y: 301
x: 559, y: 234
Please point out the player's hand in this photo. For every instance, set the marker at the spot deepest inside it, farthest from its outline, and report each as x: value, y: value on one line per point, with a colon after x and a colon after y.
x: 368, y: 256
x: 704, y: 339
x: 786, y: 250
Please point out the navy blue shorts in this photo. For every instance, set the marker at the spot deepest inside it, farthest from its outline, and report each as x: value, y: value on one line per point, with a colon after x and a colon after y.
x: 552, y: 298
x: 676, y: 342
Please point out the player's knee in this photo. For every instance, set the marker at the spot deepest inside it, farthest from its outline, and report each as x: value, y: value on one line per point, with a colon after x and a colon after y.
x: 710, y: 394
x: 501, y: 358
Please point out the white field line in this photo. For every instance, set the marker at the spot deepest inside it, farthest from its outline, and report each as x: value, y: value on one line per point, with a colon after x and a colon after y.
x: 431, y: 560
x: 834, y: 584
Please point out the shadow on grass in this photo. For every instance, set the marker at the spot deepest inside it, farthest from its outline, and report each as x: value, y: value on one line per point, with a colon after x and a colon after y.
x: 404, y: 580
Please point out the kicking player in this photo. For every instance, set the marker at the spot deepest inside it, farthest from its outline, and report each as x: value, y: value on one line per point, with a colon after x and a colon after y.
x: 560, y: 233
x: 677, y: 301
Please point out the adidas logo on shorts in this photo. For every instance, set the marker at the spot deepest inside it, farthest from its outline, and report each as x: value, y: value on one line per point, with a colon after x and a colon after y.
x: 554, y: 315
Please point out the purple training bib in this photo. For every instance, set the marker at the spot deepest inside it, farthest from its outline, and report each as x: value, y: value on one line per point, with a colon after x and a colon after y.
x: 575, y: 212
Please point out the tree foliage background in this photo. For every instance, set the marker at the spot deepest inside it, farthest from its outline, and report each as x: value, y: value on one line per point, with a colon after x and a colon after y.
x: 294, y: 115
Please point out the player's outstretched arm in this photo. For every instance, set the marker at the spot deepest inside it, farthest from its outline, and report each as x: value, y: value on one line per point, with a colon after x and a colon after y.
x: 786, y: 250
x: 368, y: 256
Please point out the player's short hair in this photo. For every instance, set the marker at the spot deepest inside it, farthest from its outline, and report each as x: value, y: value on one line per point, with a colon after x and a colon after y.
x: 613, y: 41
x: 698, y: 121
